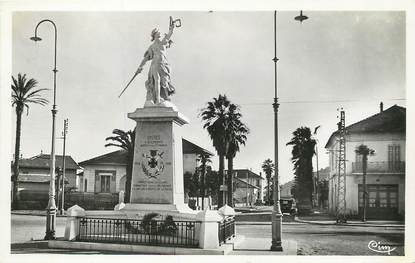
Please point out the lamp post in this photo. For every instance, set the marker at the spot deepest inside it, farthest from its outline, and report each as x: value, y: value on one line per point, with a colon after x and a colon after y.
x: 51, y: 208
x: 276, y: 244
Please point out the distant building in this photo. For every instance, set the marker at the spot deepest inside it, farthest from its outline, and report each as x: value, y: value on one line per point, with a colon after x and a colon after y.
x: 285, y: 190
x: 323, y: 174
x: 34, y: 172
x: 34, y: 179
x: 320, y: 192
x: 384, y: 132
x: 247, y: 187
x: 107, y: 173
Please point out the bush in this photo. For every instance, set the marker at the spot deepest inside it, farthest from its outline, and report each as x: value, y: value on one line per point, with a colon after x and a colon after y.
x: 148, y: 224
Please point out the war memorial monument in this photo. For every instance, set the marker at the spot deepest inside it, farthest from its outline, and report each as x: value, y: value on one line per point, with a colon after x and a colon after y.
x: 156, y: 220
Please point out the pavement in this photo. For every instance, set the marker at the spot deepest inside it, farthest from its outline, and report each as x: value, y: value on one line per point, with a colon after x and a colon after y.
x: 261, y: 216
x: 261, y: 246
x: 310, y: 238
x: 371, y: 223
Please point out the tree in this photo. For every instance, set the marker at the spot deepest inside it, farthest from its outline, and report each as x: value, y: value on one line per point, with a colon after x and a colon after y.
x: 24, y: 93
x: 236, y: 133
x: 212, y: 184
x: 364, y: 151
x: 204, y: 160
x: 126, y: 141
x: 268, y: 168
x: 302, y: 156
x: 216, y: 118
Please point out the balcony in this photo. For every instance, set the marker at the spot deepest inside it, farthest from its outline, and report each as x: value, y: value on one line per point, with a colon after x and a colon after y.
x: 379, y: 167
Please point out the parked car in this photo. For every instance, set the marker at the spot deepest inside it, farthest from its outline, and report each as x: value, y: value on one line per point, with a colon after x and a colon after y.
x: 288, y: 206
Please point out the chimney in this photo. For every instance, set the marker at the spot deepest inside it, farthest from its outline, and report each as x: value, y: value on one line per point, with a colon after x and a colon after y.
x: 381, y: 106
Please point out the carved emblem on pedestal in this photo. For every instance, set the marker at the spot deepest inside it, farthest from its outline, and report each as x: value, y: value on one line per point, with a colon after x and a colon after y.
x: 153, y: 164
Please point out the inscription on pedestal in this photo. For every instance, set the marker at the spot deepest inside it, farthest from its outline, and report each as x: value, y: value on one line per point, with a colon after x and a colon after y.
x: 153, y: 173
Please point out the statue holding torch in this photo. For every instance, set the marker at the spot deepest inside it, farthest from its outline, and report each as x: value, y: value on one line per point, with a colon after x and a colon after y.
x: 158, y: 83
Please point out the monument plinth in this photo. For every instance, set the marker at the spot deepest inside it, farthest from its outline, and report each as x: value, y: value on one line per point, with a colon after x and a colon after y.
x: 157, y: 177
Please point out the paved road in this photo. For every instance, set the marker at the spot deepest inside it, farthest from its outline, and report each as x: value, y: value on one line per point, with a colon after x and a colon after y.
x: 311, y: 239
x: 332, y: 239
x: 25, y: 227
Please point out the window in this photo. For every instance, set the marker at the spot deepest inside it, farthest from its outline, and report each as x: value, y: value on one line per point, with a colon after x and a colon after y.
x: 394, y: 157
x: 358, y: 158
x: 86, y: 185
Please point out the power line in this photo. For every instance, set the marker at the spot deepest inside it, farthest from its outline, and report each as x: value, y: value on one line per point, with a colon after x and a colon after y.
x: 322, y: 101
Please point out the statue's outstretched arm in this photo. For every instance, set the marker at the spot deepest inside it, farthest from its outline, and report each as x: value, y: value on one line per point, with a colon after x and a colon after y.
x: 140, y: 67
x: 168, y: 35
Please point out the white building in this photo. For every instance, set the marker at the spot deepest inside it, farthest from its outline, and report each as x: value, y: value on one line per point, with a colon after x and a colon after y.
x: 107, y: 173
x: 385, y: 133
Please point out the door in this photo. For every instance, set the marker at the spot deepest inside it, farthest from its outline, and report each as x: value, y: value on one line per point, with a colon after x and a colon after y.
x: 382, y: 201
x: 105, y: 183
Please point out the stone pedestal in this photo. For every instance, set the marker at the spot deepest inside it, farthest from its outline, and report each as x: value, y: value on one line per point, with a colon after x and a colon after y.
x: 208, y: 234
x: 72, y: 222
x: 157, y: 178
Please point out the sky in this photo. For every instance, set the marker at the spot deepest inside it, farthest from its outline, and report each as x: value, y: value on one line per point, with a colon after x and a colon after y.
x: 335, y: 59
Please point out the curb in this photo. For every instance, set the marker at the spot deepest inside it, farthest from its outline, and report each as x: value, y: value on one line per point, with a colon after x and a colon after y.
x: 31, y: 214
x: 350, y: 224
x: 265, y: 223
x: 30, y: 244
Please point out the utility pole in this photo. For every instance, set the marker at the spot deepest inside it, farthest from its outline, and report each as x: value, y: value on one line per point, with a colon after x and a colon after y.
x: 65, y: 131
x: 316, y: 184
x: 341, y: 176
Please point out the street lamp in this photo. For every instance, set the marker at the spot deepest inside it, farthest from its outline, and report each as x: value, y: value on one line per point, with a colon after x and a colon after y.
x: 276, y: 244
x: 51, y: 208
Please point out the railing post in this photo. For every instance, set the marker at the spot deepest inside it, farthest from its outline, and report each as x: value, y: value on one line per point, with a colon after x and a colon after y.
x: 209, y: 228
x: 74, y: 215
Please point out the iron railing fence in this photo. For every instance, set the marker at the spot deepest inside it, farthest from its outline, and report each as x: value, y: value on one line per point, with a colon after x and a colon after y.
x: 134, y: 231
x: 379, y: 167
x: 226, y: 229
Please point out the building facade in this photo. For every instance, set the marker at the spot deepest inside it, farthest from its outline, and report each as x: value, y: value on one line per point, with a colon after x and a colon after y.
x: 247, y: 190
x: 385, y: 133
x: 34, y: 179
x: 34, y: 172
x: 285, y: 190
x: 107, y: 173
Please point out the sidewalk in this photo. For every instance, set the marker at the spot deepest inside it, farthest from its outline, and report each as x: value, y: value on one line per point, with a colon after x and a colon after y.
x: 246, y: 246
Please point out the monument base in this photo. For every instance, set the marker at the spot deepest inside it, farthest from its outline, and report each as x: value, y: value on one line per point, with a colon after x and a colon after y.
x: 175, y: 210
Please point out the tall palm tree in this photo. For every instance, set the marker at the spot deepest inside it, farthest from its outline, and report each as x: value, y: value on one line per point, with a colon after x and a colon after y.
x: 302, y: 155
x: 268, y: 168
x: 237, y: 132
x: 216, y: 121
x: 364, y: 151
x: 126, y: 141
x: 24, y: 93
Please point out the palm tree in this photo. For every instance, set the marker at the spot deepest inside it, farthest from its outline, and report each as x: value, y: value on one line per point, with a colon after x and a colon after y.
x: 216, y: 121
x: 24, y: 93
x: 268, y: 168
x: 237, y: 132
x: 364, y: 151
x: 204, y: 160
x: 126, y: 141
x: 302, y: 155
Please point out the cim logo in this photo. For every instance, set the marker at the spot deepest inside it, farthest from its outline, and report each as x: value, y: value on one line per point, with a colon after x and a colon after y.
x: 376, y: 246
